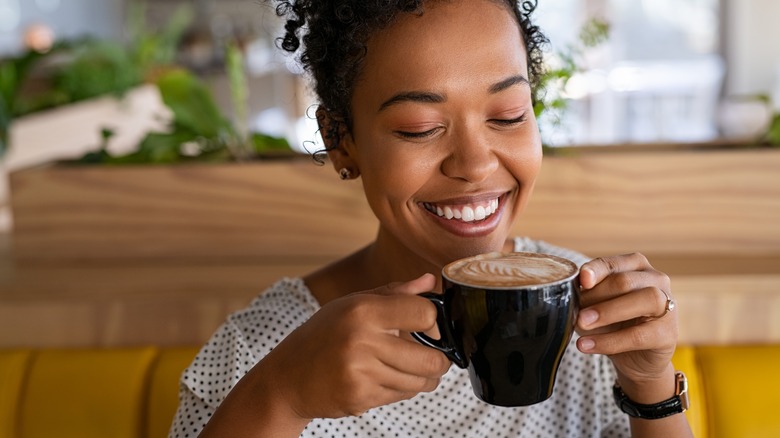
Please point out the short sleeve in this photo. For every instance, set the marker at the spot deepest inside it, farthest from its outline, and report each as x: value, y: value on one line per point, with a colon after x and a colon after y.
x: 206, y: 382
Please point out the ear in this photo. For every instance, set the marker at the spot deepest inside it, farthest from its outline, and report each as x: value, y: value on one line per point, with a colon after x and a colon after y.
x: 338, y: 142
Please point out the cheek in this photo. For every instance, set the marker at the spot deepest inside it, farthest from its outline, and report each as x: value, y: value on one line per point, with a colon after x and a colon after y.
x: 524, y: 159
x: 391, y: 174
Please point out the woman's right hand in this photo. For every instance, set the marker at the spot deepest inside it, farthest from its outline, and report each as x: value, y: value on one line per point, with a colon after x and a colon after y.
x: 354, y: 354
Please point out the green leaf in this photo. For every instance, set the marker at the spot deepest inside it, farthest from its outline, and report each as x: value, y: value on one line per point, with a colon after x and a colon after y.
x: 192, y: 104
x: 96, y: 157
x: 773, y: 134
x: 97, y: 68
x: 163, y: 147
x: 264, y: 143
x: 239, y: 90
x: 594, y: 32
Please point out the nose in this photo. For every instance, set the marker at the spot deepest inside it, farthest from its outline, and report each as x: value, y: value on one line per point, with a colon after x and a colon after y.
x: 471, y: 158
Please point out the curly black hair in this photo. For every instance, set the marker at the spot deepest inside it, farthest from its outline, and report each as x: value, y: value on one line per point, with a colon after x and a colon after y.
x: 333, y: 35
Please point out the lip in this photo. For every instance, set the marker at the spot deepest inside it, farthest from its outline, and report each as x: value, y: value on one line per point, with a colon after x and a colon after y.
x: 469, y: 229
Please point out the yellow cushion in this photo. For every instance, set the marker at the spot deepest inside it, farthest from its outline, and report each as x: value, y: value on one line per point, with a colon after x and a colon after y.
x: 86, y: 393
x: 13, y: 368
x: 742, y: 390
x: 685, y: 360
x: 164, y: 390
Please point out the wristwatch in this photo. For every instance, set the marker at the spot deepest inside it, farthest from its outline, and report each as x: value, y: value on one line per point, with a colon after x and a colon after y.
x: 678, y: 403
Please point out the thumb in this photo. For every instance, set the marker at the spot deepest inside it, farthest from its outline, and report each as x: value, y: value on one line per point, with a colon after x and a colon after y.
x: 423, y: 283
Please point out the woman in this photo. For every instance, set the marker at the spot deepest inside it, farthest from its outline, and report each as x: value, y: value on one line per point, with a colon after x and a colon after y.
x: 430, y: 104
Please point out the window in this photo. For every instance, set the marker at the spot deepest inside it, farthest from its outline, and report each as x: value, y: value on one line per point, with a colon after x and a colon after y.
x: 658, y: 78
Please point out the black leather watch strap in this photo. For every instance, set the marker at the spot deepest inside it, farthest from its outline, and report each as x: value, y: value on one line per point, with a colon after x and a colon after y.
x: 676, y: 404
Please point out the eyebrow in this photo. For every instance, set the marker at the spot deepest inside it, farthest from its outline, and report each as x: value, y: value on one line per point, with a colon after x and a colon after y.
x: 413, y: 96
x: 508, y: 82
x: 428, y: 97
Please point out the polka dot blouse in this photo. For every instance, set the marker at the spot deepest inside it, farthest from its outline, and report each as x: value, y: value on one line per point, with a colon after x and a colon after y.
x: 581, y: 404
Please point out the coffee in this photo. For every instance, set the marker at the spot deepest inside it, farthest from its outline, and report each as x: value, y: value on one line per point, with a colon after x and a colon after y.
x: 509, y: 270
x: 507, y: 318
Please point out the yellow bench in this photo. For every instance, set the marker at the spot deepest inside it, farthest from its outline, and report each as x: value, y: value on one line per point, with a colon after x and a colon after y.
x: 133, y: 392
x: 87, y: 393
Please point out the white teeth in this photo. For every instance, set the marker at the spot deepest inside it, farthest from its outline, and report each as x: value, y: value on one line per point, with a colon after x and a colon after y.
x: 492, y: 207
x: 468, y: 214
x: 479, y: 213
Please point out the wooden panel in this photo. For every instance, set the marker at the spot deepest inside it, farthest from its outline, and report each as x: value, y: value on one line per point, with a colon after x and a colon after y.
x: 159, y: 255
x: 97, y: 305
x: 679, y: 202
x: 728, y: 309
x: 683, y: 202
x: 89, y: 306
x: 270, y: 209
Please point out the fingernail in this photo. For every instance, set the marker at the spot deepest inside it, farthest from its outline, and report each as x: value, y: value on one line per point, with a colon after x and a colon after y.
x: 586, y: 276
x: 589, y: 271
x: 587, y: 344
x: 588, y: 317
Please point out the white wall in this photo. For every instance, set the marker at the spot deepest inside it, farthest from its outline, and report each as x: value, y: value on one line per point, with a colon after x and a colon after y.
x: 753, y: 46
x: 68, y: 19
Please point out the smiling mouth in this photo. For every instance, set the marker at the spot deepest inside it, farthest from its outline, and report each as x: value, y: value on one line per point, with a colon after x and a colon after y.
x: 471, y: 212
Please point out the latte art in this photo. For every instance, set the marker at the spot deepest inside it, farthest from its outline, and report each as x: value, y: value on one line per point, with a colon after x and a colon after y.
x: 509, y: 270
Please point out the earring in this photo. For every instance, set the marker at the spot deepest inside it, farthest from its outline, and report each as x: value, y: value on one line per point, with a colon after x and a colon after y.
x: 345, y: 173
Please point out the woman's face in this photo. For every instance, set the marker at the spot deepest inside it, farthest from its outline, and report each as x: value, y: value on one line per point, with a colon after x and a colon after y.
x: 444, y: 133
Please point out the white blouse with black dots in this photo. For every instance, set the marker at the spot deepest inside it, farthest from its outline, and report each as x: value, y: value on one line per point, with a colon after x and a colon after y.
x: 581, y: 404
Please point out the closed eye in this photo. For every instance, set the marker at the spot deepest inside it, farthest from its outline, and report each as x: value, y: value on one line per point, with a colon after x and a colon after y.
x: 509, y: 122
x: 416, y: 135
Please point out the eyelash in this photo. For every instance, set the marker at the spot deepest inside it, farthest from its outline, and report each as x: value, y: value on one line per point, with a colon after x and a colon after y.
x: 419, y: 135
x: 416, y: 135
x: 522, y: 118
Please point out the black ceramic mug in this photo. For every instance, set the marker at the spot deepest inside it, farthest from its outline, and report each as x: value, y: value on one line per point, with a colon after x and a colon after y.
x: 508, y: 318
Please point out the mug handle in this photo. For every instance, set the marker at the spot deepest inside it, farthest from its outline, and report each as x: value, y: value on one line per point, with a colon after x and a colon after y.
x: 446, y: 344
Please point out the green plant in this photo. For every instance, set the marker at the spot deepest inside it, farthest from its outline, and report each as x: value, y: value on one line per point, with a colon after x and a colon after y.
x: 549, y: 98
x: 84, y: 68
x: 772, y: 135
x: 13, y: 74
x: 197, y: 132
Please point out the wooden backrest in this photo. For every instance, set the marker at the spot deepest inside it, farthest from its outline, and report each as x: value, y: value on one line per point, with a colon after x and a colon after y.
x: 671, y: 203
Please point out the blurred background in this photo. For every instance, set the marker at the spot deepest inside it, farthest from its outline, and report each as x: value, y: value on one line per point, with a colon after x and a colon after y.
x: 150, y: 183
x: 668, y: 71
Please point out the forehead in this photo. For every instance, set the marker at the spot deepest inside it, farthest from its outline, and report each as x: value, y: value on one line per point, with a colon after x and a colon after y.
x: 461, y: 40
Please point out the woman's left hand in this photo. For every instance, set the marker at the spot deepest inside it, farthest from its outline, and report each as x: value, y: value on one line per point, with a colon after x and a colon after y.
x: 625, y: 315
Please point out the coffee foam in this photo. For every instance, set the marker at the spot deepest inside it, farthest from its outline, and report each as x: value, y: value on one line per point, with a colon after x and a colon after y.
x: 510, y: 270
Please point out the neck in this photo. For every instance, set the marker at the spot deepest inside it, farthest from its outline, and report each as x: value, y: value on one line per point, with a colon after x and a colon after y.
x: 387, y: 260
x: 384, y: 261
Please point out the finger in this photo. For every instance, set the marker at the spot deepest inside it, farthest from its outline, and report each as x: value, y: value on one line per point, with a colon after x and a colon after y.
x: 392, y: 313
x: 414, y: 387
x: 652, y: 335
x: 410, y: 357
x: 622, y: 283
x: 596, y: 270
x: 374, y: 376
x: 403, y: 383
x: 646, y: 302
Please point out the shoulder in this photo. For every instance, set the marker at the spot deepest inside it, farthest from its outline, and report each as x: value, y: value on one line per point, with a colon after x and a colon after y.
x: 247, y: 336
x: 532, y: 245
